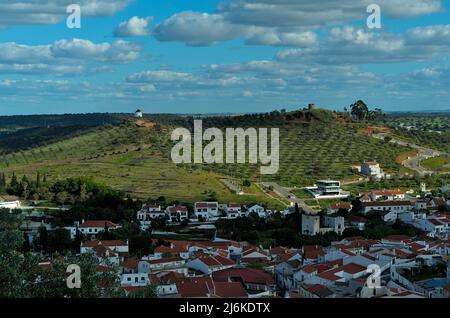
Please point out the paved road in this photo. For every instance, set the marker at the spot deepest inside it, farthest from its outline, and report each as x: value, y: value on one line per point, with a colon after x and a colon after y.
x: 413, y: 163
x: 283, y: 192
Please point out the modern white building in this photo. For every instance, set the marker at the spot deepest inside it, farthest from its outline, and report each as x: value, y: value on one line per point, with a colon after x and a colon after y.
x: 328, y: 189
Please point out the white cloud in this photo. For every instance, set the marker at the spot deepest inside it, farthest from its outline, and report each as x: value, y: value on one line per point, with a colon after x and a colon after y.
x: 196, y: 29
x: 65, y: 57
x: 160, y: 76
x: 20, y: 12
x: 278, y: 22
x: 134, y: 27
x: 350, y: 45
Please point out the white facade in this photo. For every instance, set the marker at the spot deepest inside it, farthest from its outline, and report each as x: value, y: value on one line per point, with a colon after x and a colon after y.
x: 10, y: 205
x: 135, y: 280
x: 336, y: 223
x: 372, y: 169
x: 256, y: 209
x: 206, y: 210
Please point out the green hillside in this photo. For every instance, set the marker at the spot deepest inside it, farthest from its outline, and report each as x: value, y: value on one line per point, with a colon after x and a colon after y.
x: 314, y: 144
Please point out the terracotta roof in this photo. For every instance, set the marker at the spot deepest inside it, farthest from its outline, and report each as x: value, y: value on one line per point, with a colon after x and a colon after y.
x: 229, y: 290
x: 206, y: 205
x: 195, y: 287
x: 99, y: 223
x: 174, y: 209
x: 246, y: 275
x: 102, y: 251
x: 130, y: 263
x: 353, y: 268
x: 317, y: 289
x: 212, y: 261
x: 388, y: 192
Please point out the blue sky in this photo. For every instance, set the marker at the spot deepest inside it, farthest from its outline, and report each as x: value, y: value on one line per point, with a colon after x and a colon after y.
x: 216, y: 56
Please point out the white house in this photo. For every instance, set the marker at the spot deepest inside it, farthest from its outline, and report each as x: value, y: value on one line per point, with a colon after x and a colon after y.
x: 256, y: 208
x: 176, y: 264
x: 336, y: 223
x: 372, y: 169
x: 434, y: 226
x: 233, y: 211
x: 177, y: 213
x: 397, y: 206
x: 115, y: 245
x: 389, y: 195
x: 210, y: 264
x: 284, y: 273
x: 206, y: 210
x: 92, y: 228
x: 150, y: 211
x: 134, y: 279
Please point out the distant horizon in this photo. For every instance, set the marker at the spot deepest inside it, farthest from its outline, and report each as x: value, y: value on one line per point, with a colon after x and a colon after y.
x: 436, y: 111
x: 222, y: 56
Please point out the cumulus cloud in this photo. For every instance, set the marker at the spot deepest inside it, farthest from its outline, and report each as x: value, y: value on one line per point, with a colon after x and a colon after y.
x: 134, y: 27
x: 67, y: 56
x: 196, y: 29
x: 350, y: 45
x: 20, y: 12
x: 278, y: 22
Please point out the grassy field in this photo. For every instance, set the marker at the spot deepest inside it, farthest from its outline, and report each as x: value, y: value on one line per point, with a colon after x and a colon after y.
x: 313, y: 145
x: 126, y: 158
x: 440, y: 164
x: 309, y: 152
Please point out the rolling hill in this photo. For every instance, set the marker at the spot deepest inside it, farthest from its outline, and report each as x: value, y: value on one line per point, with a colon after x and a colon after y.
x: 136, y: 158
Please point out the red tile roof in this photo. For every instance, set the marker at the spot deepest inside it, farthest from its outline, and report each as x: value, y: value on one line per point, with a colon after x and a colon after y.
x: 247, y: 275
x: 388, y: 192
x: 353, y: 268
x: 130, y: 263
x: 216, y: 261
x: 99, y: 223
x: 195, y: 287
x: 229, y: 290
x: 206, y: 205
x: 174, y: 209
